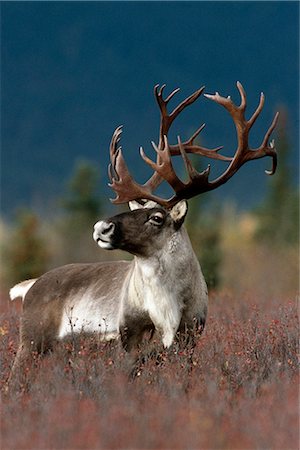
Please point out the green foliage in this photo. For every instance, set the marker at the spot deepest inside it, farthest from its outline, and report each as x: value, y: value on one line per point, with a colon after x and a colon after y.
x: 25, y: 254
x: 279, y: 213
x: 82, y: 202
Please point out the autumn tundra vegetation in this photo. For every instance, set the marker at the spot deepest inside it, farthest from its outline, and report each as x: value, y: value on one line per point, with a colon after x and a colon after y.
x: 234, y: 386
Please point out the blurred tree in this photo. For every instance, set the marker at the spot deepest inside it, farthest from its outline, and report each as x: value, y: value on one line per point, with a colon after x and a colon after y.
x: 81, y: 202
x: 205, y: 234
x: 25, y: 254
x: 279, y: 213
x: 82, y: 208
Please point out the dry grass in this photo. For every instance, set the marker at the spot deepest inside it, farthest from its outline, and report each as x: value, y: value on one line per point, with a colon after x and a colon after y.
x: 237, y: 390
x: 260, y: 267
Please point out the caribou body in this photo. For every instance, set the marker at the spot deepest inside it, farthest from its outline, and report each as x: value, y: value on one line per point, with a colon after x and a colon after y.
x: 162, y: 288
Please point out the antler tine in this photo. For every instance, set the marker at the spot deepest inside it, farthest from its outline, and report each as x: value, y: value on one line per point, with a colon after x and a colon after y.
x: 192, y: 172
x: 258, y: 110
x: 190, y: 147
x: 166, y: 118
x: 170, y: 96
x: 115, y: 139
x: 274, y: 160
x: 158, y: 92
x: 270, y: 131
x: 243, y: 96
x: 196, y: 134
x: 270, y: 150
x: 188, y: 101
x: 114, y: 150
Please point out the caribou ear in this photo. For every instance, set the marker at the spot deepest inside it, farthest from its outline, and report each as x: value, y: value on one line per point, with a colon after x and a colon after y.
x: 178, y: 212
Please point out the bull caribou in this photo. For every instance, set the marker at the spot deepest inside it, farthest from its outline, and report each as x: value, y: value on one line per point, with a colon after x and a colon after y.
x: 162, y: 289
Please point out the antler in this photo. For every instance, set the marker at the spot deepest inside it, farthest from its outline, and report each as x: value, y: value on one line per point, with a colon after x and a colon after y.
x: 166, y: 120
x: 127, y: 189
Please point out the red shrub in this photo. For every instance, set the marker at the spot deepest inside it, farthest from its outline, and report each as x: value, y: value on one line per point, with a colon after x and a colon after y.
x: 238, y: 388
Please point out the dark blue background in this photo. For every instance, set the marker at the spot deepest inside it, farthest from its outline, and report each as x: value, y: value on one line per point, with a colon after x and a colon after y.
x: 73, y: 71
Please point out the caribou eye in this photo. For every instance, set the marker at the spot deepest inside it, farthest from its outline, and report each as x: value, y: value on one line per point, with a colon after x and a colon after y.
x: 157, y: 219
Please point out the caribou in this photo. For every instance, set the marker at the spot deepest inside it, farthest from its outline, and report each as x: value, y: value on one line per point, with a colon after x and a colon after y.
x: 162, y: 288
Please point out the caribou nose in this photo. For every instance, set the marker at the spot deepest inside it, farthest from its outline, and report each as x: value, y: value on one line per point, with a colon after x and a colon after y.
x: 108, y: 229
x: 103, y: 232
x: 103, y: 228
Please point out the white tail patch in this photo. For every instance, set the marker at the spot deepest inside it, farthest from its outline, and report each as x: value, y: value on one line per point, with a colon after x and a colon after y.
x: 21, y: 289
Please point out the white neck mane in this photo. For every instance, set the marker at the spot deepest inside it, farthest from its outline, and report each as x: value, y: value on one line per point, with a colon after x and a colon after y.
x: 157, y: 283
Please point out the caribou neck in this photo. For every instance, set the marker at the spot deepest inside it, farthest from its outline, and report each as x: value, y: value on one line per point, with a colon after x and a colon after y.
x: 158, y: 283
x: 161, y: 265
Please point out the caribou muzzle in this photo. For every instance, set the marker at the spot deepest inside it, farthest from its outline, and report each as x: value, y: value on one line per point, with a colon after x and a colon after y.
x: 104, y: 234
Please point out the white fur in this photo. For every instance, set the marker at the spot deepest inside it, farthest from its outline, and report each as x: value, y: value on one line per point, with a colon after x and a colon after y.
x: 83, y: 314
x: 103, y: 244
x: 136, y: 205
x: 162, y: 305
x: 21, y: 289
x: 153, y: 288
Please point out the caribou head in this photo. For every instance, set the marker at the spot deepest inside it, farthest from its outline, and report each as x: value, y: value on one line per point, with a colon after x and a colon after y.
x: 143, y: 231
